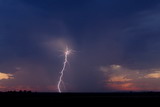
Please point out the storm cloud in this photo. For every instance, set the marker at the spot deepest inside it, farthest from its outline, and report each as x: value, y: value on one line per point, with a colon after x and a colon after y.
x: 103, y: 35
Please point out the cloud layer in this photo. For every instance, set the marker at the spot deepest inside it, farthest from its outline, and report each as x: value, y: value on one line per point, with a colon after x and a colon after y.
x: 120, y: 78
x: 119, y: 37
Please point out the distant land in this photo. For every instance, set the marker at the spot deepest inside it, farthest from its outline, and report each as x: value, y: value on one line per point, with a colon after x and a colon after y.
x: 109, y: 98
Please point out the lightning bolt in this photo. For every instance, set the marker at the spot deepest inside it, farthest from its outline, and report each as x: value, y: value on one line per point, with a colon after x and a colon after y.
x: 66, y: 53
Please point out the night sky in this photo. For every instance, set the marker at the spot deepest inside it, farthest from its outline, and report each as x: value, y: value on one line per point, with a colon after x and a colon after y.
x: 115, y: 43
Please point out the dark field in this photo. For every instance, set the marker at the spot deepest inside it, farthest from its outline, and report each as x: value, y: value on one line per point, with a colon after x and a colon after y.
x: 82, y: 98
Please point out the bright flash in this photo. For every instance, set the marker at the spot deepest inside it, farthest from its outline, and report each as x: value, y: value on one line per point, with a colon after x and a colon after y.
x: 67, y: 52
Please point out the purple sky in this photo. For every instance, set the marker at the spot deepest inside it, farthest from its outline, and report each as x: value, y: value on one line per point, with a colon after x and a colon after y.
x: 115, y: 42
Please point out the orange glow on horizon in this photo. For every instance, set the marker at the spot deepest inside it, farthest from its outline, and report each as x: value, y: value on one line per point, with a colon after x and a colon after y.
x: 125, y: 87
x: 120, y: 78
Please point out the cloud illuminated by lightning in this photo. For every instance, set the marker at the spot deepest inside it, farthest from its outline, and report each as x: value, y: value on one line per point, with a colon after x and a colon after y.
x: 66, y: 53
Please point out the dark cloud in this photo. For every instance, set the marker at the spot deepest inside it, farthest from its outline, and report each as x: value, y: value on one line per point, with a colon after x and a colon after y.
x: 102, y: 33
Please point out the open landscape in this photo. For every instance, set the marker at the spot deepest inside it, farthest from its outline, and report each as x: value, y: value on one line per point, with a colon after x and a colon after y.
x: 92, y: 98
x: 80, y: 51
